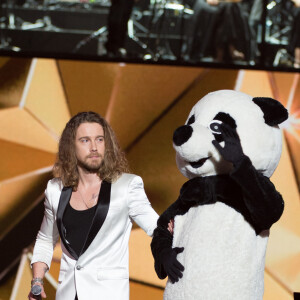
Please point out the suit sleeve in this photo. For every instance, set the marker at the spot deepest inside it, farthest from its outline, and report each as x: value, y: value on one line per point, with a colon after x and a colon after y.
x: 48, y: 235
x: 264, y: 203
x: 140, y: 209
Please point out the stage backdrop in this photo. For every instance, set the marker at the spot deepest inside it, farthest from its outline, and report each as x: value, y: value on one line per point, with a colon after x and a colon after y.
x: 144, y: 104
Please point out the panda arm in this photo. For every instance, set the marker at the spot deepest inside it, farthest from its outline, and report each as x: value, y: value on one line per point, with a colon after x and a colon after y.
x: 162, y: 238
x: 264, y: 203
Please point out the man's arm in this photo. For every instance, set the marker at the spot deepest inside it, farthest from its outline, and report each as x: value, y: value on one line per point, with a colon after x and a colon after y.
x: 39, y: 270
x: 139, y: 207
x: 46, y: 240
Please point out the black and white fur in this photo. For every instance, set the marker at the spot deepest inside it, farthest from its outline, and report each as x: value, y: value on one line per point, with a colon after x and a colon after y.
x: 224, y: 212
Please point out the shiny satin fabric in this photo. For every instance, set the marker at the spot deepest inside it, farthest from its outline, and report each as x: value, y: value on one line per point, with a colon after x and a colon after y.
x: 101, y: 271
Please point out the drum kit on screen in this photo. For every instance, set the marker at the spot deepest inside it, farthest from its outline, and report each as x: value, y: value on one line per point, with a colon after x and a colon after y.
x: 156, y: 21
x: 151, y: 28
x: 156, y: 28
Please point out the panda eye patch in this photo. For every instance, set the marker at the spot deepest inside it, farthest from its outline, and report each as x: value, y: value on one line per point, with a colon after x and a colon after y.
x: 191, y: 120
x: 214, y: 126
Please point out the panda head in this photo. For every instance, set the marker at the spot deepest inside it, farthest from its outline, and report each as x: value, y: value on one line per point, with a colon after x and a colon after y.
x: 255, y: 119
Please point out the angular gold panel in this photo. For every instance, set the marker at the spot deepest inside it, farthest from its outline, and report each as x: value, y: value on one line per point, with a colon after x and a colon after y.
x: 293, y: 140
x: 18, y: 195
x: 88, y: 85
x: 54, y: 270
x: 282, y: 83
x: 274, y: 290
x: 256, y: 84
x: 4, y: 60
x: 285, y: 182
x: 281, y: 236
x: 142, y: 93
x: 140, y: 291
x: 22, y: 282
x: 46, y: 98
x: 55, y: 264
x: 57, y: 253
x: 292, y: 128
x: 6, y: 286
x: 141, y: 262
x: 284, y: 243
x: 153, y: 156
x: 19, y: 159
x: 294, y: 106
x: 289, y: 267
x: 19, y: 126
x: 13, y: 75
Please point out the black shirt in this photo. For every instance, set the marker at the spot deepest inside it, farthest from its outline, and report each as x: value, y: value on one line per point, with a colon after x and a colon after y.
x: 77, y: 224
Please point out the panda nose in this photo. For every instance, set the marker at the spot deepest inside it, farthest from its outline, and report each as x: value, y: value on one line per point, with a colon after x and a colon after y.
x: 182, y: 135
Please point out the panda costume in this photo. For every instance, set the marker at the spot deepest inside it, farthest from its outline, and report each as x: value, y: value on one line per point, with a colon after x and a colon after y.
x: 228, y: 148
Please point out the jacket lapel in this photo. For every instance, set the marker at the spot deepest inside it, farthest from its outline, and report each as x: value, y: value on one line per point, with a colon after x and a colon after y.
x: 100, y: 214
x: 63, y: 201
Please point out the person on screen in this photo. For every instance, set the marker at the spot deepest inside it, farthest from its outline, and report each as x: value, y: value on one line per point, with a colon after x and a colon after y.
x: 119, y: 14
x: 295, y: 34
x: 219, y: 28
x: 255, y: 20
x: 90, y: 204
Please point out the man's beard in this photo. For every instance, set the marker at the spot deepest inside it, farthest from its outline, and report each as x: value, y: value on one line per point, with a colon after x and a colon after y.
x: 92, y: 166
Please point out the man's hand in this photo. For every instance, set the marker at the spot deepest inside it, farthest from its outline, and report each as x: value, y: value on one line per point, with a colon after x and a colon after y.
x: 43, y: 294
x: 232, y: 150
x: 171, y: 226
x: 171, y: 265
x: 39, y: 270
x: 212, y: 2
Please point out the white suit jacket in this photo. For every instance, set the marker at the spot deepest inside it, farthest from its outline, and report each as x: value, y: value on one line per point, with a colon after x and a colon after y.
x: 101, y: 270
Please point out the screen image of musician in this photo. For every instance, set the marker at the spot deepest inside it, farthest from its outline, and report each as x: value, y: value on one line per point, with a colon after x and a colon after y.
x: 219, y: 28
x: 295, y: 34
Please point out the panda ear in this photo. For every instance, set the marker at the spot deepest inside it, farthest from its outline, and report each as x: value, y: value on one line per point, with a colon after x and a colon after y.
x: 274, y: 112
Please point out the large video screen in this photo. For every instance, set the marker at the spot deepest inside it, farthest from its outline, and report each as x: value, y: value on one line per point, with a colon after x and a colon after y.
x: 232, y: 33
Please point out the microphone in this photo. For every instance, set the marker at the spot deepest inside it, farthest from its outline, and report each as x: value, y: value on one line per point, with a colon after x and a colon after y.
x: 36, y: 291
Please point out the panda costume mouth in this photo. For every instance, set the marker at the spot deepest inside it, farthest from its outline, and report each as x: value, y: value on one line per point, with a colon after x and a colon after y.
x: 199, y: 163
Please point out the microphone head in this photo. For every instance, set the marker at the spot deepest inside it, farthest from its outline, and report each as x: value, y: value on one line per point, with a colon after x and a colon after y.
x: 36, y: 290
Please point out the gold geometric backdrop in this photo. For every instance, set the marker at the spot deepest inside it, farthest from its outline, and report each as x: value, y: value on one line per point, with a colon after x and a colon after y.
x: 144, y: 104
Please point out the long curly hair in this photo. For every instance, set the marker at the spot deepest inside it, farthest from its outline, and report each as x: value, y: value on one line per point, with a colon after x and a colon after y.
x: 65, y: 167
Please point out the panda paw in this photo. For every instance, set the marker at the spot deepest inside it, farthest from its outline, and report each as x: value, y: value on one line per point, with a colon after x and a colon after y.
x: 172, y: 266
x: 232, y: 150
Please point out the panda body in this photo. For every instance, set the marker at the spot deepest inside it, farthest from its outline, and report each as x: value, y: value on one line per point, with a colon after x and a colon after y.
x: 223, y: 223
x: 218, y: 243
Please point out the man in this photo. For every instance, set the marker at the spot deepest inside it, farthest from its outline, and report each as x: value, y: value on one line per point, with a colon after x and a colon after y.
x: 219, y: 28
x: 89, y: 205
